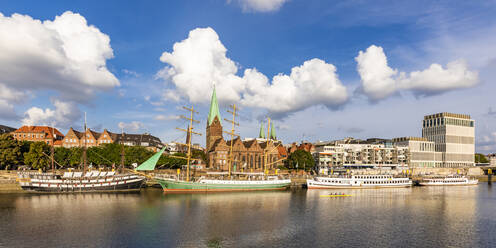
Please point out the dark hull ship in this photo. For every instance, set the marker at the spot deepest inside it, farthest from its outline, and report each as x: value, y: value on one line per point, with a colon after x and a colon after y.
x: 73, y: 182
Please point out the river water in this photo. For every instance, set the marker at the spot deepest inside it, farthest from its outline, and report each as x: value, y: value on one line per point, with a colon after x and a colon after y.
x: 463, y: 216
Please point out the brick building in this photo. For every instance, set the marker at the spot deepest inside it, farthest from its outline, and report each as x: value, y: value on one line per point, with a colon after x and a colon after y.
x: 76, y: 139
x: 306, y: 146
x: 247, y: 154
x: 45, y: 134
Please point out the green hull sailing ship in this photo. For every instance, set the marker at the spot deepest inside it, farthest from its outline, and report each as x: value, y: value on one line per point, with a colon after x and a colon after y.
x: 215, y: 181
x: 220, y: 185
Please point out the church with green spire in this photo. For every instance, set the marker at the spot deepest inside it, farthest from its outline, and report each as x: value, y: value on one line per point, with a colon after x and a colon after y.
x: 272, y: 132
x: 214, y: 124
x: 247, y: 154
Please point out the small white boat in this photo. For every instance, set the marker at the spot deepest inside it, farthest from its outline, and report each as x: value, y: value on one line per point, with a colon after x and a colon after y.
x: 450, y: 180
x: 358, y: 181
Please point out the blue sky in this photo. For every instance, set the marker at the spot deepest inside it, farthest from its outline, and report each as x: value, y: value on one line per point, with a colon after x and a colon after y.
x: 417, y: 58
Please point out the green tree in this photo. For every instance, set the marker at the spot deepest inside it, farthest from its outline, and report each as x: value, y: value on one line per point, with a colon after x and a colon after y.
x: 201, y: 155
x: 37, y: 156
x: 168, y: 162
x: 75, y: 157
x: 10, y: 152
x: 111, y: 153
x: 136, y: 154
x: 25, y: 147
x: 62, y: 156
x: 302, y: 158
x: 481, y: 158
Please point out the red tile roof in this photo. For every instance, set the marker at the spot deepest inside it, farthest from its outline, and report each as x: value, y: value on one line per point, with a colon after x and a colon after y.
x: 39, y: 129
x: 282, y: 151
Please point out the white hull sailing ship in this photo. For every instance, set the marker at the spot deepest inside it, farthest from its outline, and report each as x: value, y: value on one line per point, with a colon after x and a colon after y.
x: 77, y: 182
x: 80, y: 181
x: 358, y: 181
x: 452, y: 180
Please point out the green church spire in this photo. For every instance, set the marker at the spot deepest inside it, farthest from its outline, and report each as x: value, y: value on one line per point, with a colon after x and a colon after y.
x: 214, y: 109
x: 262, y: 131
x: 272, y: 131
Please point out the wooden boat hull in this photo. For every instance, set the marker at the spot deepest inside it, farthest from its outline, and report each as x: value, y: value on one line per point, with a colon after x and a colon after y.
x: 123, y: 185
x: 176, y: 186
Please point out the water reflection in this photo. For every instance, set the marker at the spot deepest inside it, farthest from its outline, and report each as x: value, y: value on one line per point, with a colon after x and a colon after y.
x: 428, y: 216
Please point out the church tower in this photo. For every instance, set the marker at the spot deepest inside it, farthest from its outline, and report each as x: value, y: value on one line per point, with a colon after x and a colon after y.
x: 214, y: 125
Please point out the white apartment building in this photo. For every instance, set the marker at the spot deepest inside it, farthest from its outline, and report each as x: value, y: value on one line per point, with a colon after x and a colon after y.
x: 353, y: 153
x: 421, y: 152
x: 454, y: 138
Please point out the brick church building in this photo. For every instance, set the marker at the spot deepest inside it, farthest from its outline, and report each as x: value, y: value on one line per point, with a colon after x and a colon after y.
x: 247, y: 154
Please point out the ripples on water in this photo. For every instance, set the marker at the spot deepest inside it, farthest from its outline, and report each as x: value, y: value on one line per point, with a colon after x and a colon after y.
x: 409, y: 217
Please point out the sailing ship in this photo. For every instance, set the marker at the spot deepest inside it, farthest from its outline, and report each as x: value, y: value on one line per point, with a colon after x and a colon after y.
x: 450, y: 180
x: 216, y: 181
x: 81, y: 181
x: 358, y: 181
x: 74, y: 182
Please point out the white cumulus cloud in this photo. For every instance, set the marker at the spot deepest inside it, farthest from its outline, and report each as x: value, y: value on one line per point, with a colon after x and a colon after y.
x: 380, y: 81
x: 166, y: 117
x: 260, y: 5
x: 65, y: 55
x: 199, y: 61
x: 132, y: 126
x: 63, y: 115
x: 8, y: 97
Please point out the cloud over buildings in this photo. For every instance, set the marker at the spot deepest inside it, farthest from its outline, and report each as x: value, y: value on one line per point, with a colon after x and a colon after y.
x: 200, y: 60
x: 65, y: 55
x: 131, y: 126
x: 62, y: 115
x: 378, y: 80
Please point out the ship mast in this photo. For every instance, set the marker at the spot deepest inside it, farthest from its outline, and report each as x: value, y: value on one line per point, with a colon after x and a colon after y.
x: 267, y: 146
x: 189, y: 132
x: 233, y: 121
x: 52, y: 150
x: 122, y: 150
x: 84, y: 145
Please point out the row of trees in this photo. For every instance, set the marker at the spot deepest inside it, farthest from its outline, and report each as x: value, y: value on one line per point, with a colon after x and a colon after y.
x: 481, y: 158
x: 300, y: 160
x: 36, y: 155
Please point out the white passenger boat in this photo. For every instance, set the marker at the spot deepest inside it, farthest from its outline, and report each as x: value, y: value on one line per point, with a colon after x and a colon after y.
x: 451, y: 180
x: 358, y: 181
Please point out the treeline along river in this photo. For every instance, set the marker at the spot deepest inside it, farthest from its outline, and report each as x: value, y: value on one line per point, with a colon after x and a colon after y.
x: 407, y: 217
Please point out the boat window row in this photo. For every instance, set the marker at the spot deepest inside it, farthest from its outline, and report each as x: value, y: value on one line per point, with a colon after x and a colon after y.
x: 331, y: 181
x: 372, y: 177
x: 386, y: 182
x: 446, y: 181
